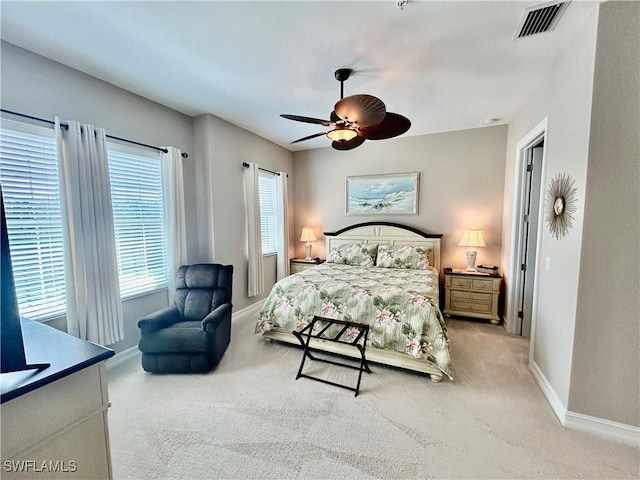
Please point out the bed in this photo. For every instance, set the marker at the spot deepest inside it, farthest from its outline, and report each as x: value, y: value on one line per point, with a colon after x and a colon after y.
x: 383, y: 274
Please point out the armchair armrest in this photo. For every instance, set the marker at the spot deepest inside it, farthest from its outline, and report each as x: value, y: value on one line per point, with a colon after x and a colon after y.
x: 211, y: 321
x: 160, y: 319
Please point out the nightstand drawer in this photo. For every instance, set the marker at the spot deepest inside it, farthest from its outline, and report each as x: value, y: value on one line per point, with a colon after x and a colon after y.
x: 471, y: 297
x: 482, y: 284
x: 461, y: 283
x: 470, y: 307
x: 297, y: 267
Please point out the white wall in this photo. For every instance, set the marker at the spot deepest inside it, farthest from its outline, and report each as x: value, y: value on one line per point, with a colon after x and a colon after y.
x: 565, y: 99
x: 36, y: 86
x: 461, y: 186
x: 585, y: 339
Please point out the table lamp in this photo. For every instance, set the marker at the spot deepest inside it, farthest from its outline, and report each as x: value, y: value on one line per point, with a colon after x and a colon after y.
x: 471, y: 238
x: 307, y: 236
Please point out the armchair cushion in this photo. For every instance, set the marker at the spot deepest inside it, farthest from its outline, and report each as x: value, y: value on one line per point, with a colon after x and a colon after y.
x: 179, y: 337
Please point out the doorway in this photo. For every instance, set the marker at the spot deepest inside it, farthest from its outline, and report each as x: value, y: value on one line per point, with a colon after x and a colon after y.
x: 528, y: 208
x: 529, y: 227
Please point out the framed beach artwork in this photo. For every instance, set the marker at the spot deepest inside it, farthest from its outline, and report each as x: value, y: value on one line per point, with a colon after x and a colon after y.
x: 390, y: 194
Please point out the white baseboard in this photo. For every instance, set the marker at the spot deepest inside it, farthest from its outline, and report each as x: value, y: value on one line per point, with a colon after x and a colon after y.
x: 122, y: 357
x: 603, y: 428
x: 600, y: 427
x: 550, y: 394
x: 252, y: 309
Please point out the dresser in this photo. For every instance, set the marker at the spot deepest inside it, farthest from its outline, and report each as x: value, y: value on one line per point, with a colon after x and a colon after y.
x: 54, y: 420
x: 470, y: 294
x: 299, y: 264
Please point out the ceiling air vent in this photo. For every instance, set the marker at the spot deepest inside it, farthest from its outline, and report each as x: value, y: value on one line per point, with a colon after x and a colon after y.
x: 541, y: 18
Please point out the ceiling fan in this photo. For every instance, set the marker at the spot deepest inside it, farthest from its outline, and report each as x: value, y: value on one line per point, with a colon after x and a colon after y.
x: 356, y: 118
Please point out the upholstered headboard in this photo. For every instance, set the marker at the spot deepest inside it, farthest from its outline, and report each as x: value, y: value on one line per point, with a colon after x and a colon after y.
x: 386, y: 233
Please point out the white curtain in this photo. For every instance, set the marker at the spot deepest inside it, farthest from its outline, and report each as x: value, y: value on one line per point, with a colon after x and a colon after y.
x: 94, y: 309
x: 254, y: 235
x: 282, y: 266
x: 174, y: 214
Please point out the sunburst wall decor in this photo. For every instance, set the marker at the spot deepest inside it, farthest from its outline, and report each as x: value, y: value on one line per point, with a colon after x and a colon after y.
x: 560, y: 205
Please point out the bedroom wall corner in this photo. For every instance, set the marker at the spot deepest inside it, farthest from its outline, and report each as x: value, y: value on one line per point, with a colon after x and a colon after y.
x: 221, y: 148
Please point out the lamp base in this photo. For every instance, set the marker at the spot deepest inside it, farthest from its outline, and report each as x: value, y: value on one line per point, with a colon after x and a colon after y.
x: 307, y: 250
x: 471, y: 261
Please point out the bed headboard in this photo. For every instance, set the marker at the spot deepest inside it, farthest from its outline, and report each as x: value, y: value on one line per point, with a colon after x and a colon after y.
x: 385, y: 233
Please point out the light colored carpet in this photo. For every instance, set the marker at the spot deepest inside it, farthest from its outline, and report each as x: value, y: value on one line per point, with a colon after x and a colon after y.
x: 251, y: 419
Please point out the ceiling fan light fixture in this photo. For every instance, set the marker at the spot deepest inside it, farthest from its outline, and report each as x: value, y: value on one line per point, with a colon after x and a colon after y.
x: 342, y: 134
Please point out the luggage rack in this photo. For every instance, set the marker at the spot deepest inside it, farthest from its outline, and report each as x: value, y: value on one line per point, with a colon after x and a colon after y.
x: 356, y: 336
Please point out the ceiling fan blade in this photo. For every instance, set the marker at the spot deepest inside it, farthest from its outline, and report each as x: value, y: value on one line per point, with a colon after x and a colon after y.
x: 298, y: 118
x: 348, y: 144
x: 310, y: 137
x: 364, y: 110
x: 334, y: 116
x: 392, y: 126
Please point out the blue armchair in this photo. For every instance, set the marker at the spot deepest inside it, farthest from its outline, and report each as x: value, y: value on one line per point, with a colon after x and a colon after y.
x: 191, y: 335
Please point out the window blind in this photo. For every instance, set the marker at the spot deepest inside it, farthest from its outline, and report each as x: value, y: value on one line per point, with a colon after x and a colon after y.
x: 30, y: 187
x: 268, y: 212
x: 138, y: 215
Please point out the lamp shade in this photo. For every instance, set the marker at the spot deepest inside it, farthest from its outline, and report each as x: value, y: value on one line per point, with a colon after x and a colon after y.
x: 342, y: 134
x: 307, y: 234
x: 472, y: 238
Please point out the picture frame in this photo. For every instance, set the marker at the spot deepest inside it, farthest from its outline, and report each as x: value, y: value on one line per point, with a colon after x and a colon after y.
x: 386, y: 194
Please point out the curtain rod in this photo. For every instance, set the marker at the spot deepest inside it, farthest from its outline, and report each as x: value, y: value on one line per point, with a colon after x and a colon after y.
x: 66, y: 126
x: 246, y: 165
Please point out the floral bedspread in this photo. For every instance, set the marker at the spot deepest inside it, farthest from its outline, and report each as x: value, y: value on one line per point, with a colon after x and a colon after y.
x: 399, y: 305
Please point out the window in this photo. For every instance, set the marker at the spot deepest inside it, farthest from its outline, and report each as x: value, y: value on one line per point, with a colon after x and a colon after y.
x: 268, y: 212
x: 30, y: 187
x: 138, y: 216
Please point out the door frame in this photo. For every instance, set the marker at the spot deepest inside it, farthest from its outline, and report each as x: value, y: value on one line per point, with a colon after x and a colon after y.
x: 535, y: 135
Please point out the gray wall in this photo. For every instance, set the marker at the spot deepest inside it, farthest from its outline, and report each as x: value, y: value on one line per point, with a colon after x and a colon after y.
x: 461, y: 186
x: 217, y: 196
x: 605, y: 380
x: 34, y: 85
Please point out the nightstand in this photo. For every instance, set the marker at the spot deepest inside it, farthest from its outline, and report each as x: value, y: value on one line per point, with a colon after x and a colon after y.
x: 299, y: 264
x: 471, y: 294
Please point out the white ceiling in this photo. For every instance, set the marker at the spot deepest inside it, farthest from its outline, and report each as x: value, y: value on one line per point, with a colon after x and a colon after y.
x: 446, y: 65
